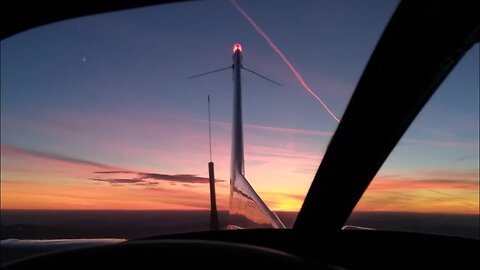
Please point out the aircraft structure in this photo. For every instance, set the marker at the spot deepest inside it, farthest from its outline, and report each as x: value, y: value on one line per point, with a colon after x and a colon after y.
x: 417, y: 50
x: 247, y: 209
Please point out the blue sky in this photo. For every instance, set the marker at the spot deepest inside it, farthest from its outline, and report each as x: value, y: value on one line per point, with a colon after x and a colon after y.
x: 112, y: 89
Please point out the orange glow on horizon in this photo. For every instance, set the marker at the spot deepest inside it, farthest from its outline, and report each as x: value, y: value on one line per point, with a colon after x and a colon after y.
x: 41, y: 196
x: 35, y: 180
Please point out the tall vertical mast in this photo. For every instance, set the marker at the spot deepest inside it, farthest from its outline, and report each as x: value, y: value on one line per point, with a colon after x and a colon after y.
x: 246, y: 207
x: 214, y: 223
x: 237, y: 162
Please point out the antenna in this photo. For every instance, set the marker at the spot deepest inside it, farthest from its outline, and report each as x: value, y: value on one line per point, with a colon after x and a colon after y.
x: 209, y: 128
x: 210, y: 72
x: 231, y: 67
x: 214, y: 224
x: 251, y: 71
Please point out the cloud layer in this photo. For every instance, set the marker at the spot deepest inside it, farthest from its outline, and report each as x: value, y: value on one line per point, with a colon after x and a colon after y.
x: 143, y: 177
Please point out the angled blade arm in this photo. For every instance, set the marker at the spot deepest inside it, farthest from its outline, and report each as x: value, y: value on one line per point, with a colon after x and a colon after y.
x: 251, y: 71
x: 210, y: 72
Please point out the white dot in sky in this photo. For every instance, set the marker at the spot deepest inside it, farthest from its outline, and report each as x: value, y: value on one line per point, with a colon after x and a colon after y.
x: 84, y: 59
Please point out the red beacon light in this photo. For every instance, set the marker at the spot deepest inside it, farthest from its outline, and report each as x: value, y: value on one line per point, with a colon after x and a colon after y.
x: 237, y: 47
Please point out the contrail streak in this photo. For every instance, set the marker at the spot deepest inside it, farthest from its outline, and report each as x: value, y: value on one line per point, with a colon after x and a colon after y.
x: 279, y: 52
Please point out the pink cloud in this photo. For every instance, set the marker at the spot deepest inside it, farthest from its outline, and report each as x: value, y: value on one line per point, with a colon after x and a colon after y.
x: 56, y: 182
x: 378, y: 184
x: 291, y: 130
x: 124, y: 176
x: 167, y: 144
x: 447, y: 174
x: 13, y: 151
x: 442, y: 143
x: 262, y: 127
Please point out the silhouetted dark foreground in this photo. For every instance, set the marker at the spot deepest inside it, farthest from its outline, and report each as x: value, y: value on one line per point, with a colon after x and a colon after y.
x: 43, y: 224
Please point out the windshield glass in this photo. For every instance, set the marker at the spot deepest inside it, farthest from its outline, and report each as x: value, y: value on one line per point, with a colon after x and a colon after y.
x: 97, y: 113
x: 430, y: 182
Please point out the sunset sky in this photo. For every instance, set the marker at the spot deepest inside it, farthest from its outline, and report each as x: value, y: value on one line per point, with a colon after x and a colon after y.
x: 97, y: 113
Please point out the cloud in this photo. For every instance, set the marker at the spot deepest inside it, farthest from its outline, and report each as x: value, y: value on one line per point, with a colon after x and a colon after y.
x: 293, y: 152
x: 182, y: 178
x: 119, y: 181
x: 144, y: 178
x: 125, y: 176
x: 454, y: 197
x: 386, y: 200
x: 466, y: 158
x: 292, y: 130
x: 448, y: 174
x: 443, y: 143
x: 111, y: 172
x: 420, y: 200
x: 52, y: 156
x: 41, y: 195
x: 423, y: 184
x: 308, y: 171
x: 319, y: 133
